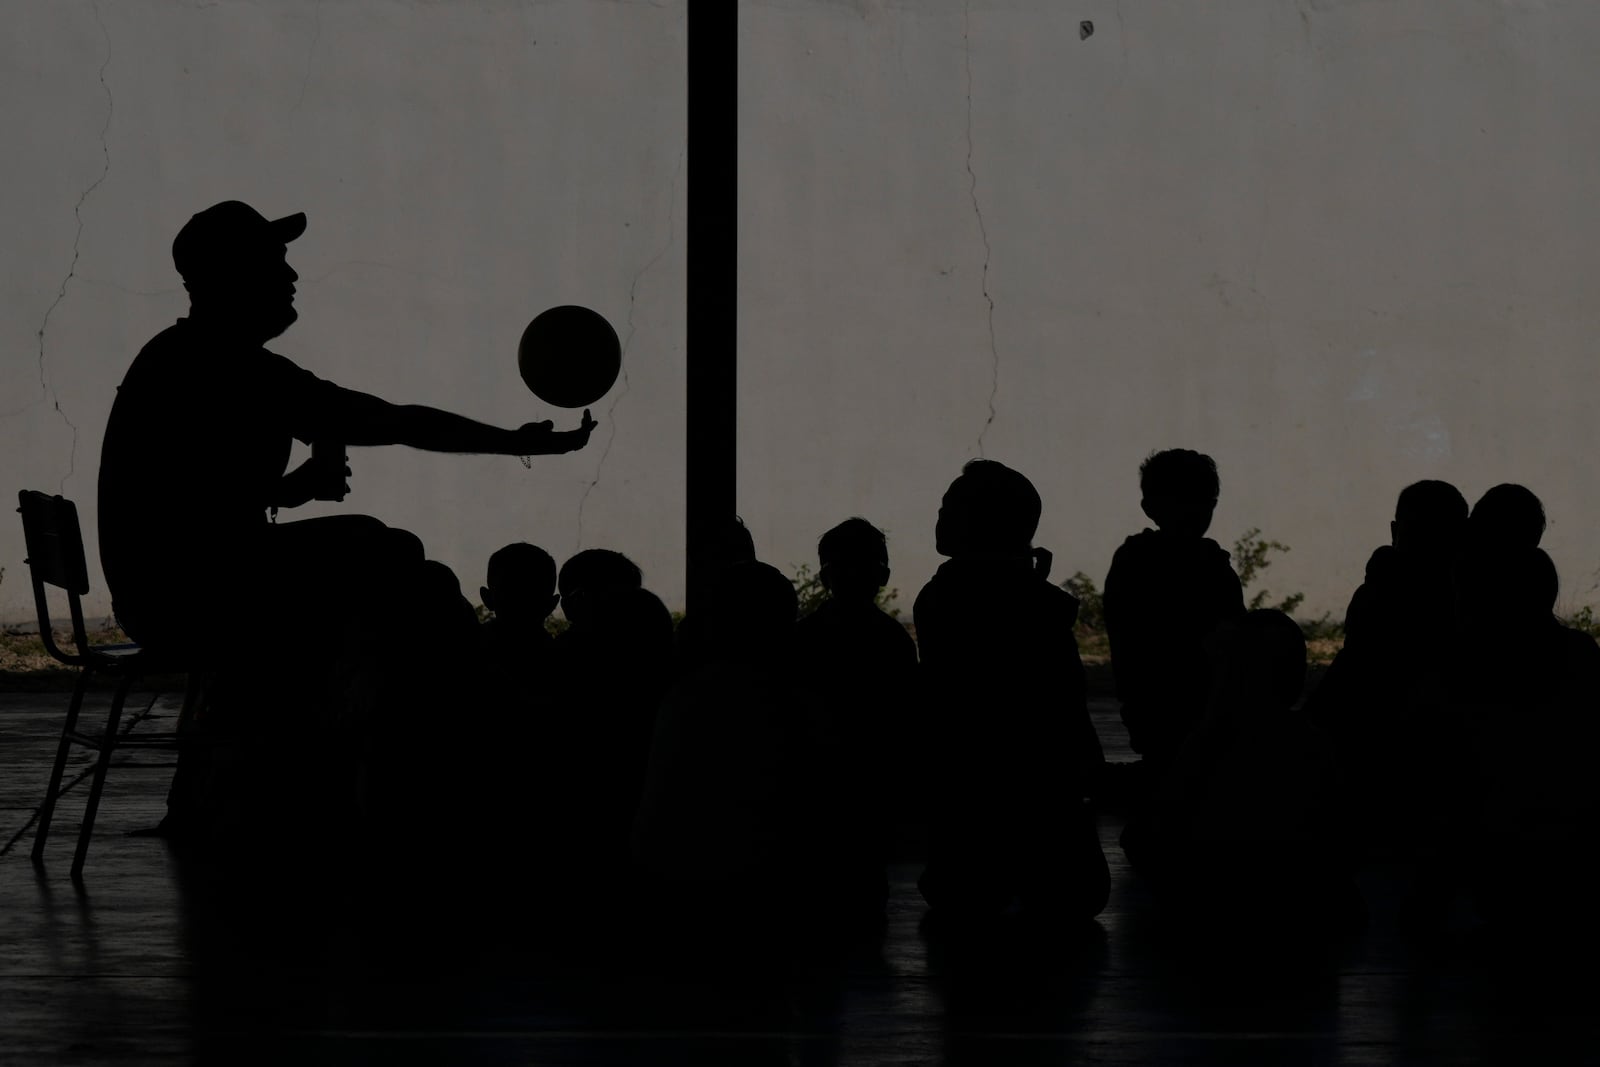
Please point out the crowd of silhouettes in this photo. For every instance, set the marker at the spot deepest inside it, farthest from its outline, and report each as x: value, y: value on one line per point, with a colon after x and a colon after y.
x: 747, y: 757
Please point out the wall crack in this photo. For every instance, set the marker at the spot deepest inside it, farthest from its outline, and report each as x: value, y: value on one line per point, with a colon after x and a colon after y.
x: 311, y: 53
x: 983, y: 231
x: 46, y: 390
x: 627, y: 340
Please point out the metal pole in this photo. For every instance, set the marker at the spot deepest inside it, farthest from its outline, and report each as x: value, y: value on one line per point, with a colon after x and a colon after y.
x: 712, y: 281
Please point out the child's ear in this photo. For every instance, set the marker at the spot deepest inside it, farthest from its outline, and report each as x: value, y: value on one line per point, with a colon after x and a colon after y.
x: 485, y: 596
x: 1149, y: 508
x: 880, y: 575
x: 550, y: 606
x: 825, y: 576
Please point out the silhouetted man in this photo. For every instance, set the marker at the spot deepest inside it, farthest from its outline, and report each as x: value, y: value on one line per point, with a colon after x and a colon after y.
x: 198, y: 443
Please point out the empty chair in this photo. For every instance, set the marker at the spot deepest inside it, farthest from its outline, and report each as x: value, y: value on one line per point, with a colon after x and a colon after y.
x: 55, y: 558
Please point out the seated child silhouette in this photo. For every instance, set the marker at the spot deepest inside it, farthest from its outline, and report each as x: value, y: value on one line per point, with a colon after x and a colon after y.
x: 731, y: 545
x: 1002, y: 694
x: 1398, y: 636
x: 520, y: 595
x: 717, y: 821
x: 1170, y: 593
x: 1412, y: 574
x: 1512, y: 747
x: 404, y: 745
x: 627, y: 653
x: 858, y: 664
x: 593, y: 685
x: 1244, y: 833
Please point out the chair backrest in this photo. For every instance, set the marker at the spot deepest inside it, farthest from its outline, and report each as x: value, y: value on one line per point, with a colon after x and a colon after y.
x: 54, y: 540
x: 55, y: 557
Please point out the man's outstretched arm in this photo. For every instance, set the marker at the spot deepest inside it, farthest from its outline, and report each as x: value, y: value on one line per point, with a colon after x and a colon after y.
x: 363, y: 419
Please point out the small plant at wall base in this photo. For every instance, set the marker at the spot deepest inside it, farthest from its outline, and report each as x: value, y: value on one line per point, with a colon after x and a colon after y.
x: 1250, y: 554
x: 812, y: 593
x: 554, y: 625
x: 1584, y: 621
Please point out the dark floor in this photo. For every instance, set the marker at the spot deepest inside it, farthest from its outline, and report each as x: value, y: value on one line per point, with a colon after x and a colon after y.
x: 141, y: 965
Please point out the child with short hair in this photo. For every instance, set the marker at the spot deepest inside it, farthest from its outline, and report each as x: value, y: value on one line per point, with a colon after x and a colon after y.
x: 520, y: 595
x: 591, y: 576
x: 1398, y: 638
x: 1004, y: 697
x: 1507, y: 515
x: 859, y: 663
x: 716, y: 824
x: 1169, y: 592
x: 1245, y: 836
x: 848, y: 633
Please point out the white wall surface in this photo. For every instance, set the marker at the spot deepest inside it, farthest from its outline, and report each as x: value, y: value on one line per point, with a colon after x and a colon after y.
x: 1339, y: 244
x: 463, y: 166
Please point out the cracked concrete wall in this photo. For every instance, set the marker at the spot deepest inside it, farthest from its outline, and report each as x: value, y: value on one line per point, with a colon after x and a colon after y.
x: 463, y: 166
x: 1339, y: 245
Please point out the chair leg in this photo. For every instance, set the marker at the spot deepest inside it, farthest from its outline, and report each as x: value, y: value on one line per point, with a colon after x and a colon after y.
x: 47, y: 810
x: 194, y: 700
x: 108, y: 745
x: 180, y: 793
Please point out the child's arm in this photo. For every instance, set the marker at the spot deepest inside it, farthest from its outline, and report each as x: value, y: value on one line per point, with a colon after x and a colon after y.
x: 1127, y: 630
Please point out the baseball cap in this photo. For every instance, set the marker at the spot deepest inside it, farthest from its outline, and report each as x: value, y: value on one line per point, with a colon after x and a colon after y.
x: 214, y: 239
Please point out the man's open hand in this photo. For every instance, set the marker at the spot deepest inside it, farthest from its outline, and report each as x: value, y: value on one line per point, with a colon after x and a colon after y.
x: 543, y: 439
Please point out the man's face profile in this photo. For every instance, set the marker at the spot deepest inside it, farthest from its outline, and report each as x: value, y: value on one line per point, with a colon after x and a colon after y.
x: 234, y: 262
x: 255, y: 292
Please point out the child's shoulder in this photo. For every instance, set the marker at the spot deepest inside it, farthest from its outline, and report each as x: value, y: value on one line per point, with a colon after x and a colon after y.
x: 1146, y: 540
x: 1151, y: 547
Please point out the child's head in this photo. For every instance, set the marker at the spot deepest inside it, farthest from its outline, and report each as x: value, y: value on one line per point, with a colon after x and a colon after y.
x: 522, y: 584
x: 750, y: 611
x: 1508, y: 515
x: 1179, y: 489
x: 1264, y: 666
x: 638, y: 628
x: 989, y: 510
x: 734, y: 544
x: 1429, y: 517
x: 855, y: 560
x: 444, y: 614
x: 590, y: 577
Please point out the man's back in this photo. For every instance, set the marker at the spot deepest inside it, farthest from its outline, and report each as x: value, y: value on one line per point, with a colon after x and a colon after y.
x: 198, y: 439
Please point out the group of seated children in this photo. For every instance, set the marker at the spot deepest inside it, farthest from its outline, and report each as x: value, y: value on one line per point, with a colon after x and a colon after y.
x: 1447, y: 736
x: 748, y: 758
